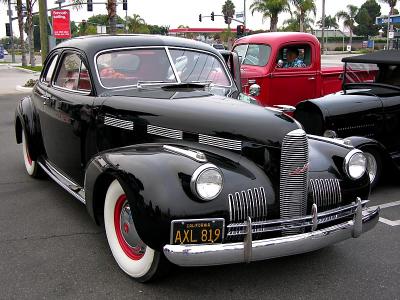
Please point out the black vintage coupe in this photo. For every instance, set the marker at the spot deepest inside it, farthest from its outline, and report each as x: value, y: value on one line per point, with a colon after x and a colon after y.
x: 366, y: 113
x: 153, y: 135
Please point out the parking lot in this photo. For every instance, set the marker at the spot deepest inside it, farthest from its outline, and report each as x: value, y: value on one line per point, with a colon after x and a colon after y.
x: 50, y: 248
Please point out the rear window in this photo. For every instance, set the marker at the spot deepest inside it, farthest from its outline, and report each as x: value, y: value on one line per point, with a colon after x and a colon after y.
x: 253, y: 54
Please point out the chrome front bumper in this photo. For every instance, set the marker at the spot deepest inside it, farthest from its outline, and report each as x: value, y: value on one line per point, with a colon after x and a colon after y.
x: 229, y: 253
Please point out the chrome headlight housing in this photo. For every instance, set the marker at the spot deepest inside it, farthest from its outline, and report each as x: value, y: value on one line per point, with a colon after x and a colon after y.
x: 207, y: 182
x: 355, y: 164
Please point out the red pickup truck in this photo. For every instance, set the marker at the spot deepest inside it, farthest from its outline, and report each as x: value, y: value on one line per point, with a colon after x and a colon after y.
x: 262, y: 56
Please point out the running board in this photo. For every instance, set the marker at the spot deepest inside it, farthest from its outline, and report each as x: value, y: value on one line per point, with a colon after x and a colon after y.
x: 71, y: 187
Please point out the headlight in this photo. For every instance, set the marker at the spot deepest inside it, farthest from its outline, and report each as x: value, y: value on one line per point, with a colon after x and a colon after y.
x: 355, y: 164
x: 207, y: 182
x: 330, y: 134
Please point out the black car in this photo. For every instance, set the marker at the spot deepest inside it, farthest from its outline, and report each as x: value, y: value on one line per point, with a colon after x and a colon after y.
x: 145, y: 131
x: 366, y: 113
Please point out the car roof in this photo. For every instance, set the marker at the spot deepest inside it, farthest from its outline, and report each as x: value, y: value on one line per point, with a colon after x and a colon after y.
x: 95, y: 43
x: 277, y: 38
x: 378, y: 57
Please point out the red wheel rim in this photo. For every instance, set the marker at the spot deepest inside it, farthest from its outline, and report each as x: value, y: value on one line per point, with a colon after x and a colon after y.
x: 132, y: 252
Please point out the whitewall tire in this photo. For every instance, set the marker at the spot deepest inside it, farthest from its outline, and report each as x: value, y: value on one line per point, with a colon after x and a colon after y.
x: 31, y: 166
x: 133, y: 256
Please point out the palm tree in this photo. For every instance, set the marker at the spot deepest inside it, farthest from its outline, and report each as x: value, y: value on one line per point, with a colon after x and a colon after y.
x: 136, y: 24
x: 304, y: 7
x: 330, y: 22
x: 293, y: 23
x: 392, y: 4
x: 348, y: 19
x: 270, y: 9
x: 29, y: 21
x: 228, y: 10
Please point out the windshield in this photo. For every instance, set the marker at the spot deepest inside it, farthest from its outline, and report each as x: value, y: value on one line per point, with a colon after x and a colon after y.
x: 122, y: 68
x: 253, y: 54
x: 361, y: 73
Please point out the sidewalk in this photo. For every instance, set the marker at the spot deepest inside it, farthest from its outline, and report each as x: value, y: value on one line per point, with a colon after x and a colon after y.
x: 10, y: 77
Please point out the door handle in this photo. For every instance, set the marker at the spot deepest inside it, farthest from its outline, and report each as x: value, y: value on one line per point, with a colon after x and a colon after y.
x: 311, y: 78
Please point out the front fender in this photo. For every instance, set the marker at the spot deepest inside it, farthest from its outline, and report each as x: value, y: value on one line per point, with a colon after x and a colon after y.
x: 157, y: 183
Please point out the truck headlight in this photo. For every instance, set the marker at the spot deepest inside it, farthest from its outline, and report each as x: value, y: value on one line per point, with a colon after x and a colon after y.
x: 207, y: 182
x: 355, y: 164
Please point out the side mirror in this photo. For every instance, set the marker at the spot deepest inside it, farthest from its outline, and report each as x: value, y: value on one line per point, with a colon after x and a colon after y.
x: 255, y: 90
x: 279, y: 64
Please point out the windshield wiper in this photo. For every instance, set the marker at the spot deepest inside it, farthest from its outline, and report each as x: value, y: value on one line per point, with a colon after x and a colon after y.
x: 187, y: 85
x: 142, y: 83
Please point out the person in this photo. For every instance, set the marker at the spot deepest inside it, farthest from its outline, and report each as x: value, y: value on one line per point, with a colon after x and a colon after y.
x: 292, y: 59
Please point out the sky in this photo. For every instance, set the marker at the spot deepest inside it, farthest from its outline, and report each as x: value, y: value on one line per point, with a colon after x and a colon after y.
x: 179, y: 12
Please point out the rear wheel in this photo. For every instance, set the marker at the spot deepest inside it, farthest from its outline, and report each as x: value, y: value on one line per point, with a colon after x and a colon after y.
x: 133, y: 256
x: 374, y: 165
x: 31, y: 166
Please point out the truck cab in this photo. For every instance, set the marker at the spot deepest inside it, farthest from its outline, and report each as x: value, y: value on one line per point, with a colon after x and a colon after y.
x: 264, y: 62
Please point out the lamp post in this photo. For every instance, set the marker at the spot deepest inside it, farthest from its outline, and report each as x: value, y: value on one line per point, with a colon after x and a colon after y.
x: 323, y: 26
x: 9, y: 12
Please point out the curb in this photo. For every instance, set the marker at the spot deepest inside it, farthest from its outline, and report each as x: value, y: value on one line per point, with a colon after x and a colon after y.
x: 25, y: 70
x: 21, y: 88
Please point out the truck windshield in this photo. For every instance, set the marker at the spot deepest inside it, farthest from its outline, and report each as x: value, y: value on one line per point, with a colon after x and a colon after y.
x: 253, y: 54
x: 152, y: 66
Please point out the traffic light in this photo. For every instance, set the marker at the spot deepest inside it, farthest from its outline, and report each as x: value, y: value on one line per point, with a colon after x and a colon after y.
x: 240, y: 30
x: 199, y: 17
x: 89, y: 5
x: 226, y: 18
x: 212, y: 16
x: 8, y: 29
x: 125, y: 4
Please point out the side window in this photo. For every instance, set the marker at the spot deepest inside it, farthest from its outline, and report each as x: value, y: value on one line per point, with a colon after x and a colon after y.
x: 73, y: 74
x: 50, y: 70
x: 295, y: 56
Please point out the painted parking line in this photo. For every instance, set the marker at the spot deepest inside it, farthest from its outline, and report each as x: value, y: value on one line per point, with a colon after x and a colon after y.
x: 386, y: 205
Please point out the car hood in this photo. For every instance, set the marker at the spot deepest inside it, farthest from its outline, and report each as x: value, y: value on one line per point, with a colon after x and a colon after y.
x: 198, y: 112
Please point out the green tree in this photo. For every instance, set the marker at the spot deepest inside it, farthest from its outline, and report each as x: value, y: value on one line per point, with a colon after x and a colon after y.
x: 136, y: 24
x: 228, y: 10
x: 293, y: 23
x: 391, y: 3
x: 366, y: 19
x: 270, y: 9
x: 330, y: 22
x: 304, y: 8
x: 348, y: 19
x: 155, y: 29
x: 102, y: 20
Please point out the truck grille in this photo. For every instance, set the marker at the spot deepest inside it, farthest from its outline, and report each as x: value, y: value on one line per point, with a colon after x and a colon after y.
x: 251, y: 203
x: 326, y: 193
x: 294, y: 177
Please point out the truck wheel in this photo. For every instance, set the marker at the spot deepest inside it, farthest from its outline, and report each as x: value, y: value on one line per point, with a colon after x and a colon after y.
x: 374, y: 165
x: 133, y: 256
x: 31, y: 166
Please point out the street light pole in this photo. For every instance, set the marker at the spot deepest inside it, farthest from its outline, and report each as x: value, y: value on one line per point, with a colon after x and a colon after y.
x: 388, y: 30
x: 9, y: 12
x: 244, y: 16
x: 323, y: 26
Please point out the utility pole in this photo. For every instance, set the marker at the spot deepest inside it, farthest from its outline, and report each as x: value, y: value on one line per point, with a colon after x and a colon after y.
x: 44, y: 35
x: 388, y: 30
x: 323, y: 27
x: 9, y: 12
x: 244, y: 16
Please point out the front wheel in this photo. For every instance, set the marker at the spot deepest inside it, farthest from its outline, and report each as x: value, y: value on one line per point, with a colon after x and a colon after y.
x: 133, y: 256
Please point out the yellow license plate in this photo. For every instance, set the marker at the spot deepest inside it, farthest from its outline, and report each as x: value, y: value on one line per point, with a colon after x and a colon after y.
x: 202, y: 231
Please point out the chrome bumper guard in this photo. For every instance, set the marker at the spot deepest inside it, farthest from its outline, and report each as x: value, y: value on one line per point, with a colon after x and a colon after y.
x: 363, y: 220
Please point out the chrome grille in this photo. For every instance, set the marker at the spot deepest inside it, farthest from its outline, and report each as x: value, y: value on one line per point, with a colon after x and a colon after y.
x: 326, y: 193
x: 110, y: 121
x: 220, y: 142
x: 251, y: 203
x: 165, y: 132
x: 294, y: 176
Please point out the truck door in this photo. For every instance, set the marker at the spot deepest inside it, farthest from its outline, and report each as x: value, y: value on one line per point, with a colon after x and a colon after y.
x: 294, y: 80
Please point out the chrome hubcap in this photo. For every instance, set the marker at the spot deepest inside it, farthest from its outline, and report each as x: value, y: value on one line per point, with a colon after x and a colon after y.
x: 128, y: 230
x: 372, y: 166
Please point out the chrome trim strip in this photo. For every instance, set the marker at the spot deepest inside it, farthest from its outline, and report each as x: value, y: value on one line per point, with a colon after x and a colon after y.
x: 165, y: 132
x: 220, y: 142
x: 110, y: 121
x: 193, y: 154
x: 228, y: 253
x: 50, y: 170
